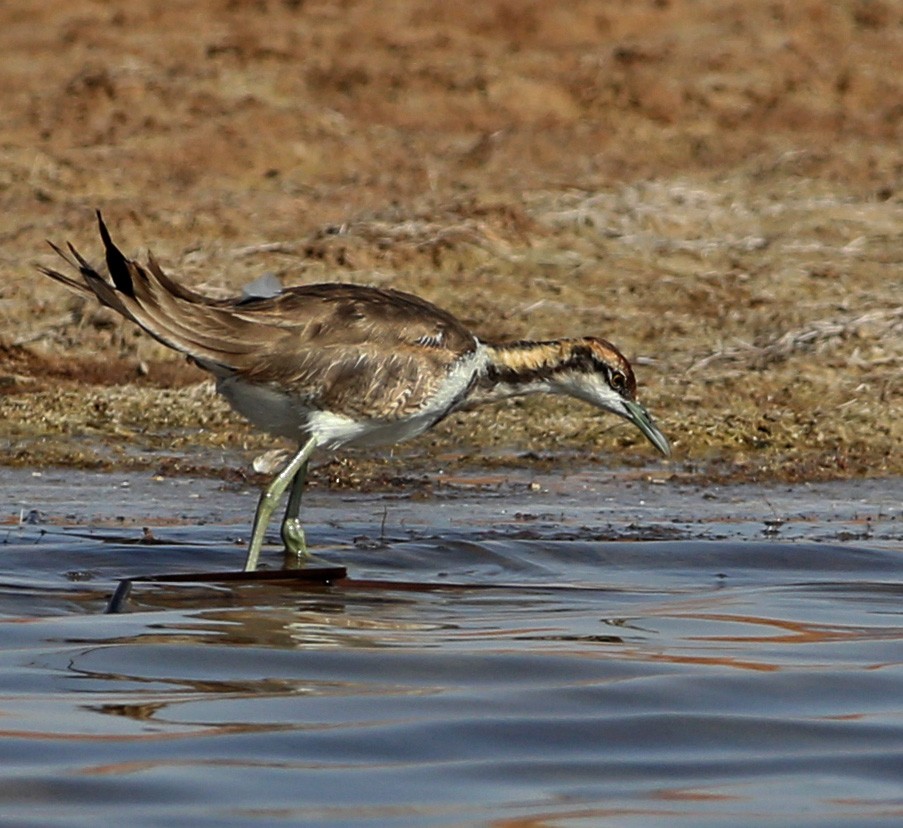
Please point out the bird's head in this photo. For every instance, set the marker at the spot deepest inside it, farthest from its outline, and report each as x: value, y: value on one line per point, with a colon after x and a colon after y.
x: 595, y: 371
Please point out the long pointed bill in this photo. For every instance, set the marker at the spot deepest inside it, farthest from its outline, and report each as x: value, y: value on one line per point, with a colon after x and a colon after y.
x: 641, y: 419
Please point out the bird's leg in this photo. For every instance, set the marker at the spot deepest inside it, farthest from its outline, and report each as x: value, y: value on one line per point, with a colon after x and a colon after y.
x: 292, y: 531
x: 269, y: 498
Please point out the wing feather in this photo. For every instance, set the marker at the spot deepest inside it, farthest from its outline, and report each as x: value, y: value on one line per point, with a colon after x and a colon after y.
x: 341, y: 347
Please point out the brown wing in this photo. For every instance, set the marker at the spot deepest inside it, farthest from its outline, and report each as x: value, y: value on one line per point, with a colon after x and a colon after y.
x: 360, y: 380
x: 336, y: 344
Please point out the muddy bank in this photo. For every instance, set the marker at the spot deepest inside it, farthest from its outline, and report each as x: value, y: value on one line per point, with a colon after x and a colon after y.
x: 584, y: 504
x: 710, y: 189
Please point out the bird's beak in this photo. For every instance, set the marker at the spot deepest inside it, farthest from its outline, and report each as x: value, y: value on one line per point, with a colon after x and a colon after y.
x: 641, y: 419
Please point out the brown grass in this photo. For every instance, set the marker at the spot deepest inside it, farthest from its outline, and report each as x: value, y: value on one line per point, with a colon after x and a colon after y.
x: 713, y: 186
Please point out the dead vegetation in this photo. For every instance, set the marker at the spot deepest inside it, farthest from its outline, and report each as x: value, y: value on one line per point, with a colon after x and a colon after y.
x: 716, y: 188
x: 818, y: 338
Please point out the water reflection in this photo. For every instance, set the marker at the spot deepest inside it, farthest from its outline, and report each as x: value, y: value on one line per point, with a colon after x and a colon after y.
x: 462, y: 680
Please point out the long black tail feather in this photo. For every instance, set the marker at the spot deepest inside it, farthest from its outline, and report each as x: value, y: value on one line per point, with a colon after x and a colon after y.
x: 117, y: 263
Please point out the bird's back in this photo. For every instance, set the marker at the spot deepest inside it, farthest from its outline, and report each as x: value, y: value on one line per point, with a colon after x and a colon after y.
x: 353, y: 351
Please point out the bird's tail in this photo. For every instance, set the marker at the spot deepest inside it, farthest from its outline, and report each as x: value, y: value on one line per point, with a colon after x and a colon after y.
x: 186, y: 321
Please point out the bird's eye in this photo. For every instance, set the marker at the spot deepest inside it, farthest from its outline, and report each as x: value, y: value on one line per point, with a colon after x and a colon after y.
x: 618, y: 381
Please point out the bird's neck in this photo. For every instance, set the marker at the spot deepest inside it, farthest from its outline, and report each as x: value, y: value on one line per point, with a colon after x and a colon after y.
x: 516, y: 368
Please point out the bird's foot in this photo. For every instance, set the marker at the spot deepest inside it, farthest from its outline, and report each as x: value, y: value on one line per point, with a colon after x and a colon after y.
x: 293, y: 538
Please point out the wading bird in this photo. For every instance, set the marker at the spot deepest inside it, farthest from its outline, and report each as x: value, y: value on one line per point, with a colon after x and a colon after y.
x: 333, y: 365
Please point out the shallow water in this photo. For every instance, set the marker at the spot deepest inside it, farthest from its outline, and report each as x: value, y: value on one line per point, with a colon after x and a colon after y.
x: 576, y: 650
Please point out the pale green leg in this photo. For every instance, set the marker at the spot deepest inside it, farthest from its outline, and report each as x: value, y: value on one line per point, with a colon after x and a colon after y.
x: 292, y: 531
x: 269, y: 499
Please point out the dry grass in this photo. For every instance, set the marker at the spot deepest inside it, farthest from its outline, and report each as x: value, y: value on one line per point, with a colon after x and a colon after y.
x: 716, y: 188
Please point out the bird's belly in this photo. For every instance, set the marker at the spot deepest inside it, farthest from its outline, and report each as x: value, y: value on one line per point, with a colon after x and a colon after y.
x: 333, y: 430
x: 266, y: 408
x: 284, y: 415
